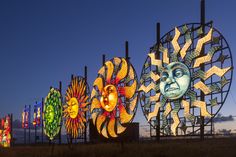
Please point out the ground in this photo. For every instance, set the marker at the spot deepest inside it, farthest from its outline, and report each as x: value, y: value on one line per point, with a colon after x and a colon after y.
x: 225, y: 147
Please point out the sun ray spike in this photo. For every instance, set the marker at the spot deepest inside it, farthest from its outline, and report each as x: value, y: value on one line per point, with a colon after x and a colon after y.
x: 203, y: 108
x: 165, y: 55
x: 94, y: 117
x: 175, y: 116
x: 187, y: 114
x: 155, y: 61
x: 188, y: 43
x: 102, y: 72
x: 165, y: 114
x: 117, y: 61
x: 95, y: 104
x: 155, y: 97
x: 203, y: 40
x: 155, y: 112
x: 99, y: 83
x: 110, y: 69
x: 130, y: 90
x: 120, y: 128
x: 124, y: 116
x: 111, y: 127
x: 100, y: 120
x: 133, y: 103
x: 205, y: 58
x: 174, y: 42
x: 146, y: 89
x: 215, y: 70
x: 204, y: 88
x: 131, y: 73
x: 104, y: 130
x: 123, y: 70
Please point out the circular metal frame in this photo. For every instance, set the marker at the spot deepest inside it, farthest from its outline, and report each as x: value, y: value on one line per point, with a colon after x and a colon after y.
x: 221, y: 57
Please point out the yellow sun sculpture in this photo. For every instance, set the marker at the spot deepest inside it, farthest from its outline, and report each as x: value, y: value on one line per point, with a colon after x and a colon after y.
x: 114, y: 97
x: 76, y: 106
x: 174, y: 81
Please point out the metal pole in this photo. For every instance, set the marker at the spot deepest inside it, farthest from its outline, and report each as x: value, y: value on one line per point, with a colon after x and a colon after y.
x: 202, y: 96
x: 24, y: 127
x: 35, y: 127
x: 60, y: 88
x: 11, y: 129
x: 29, y: 121
x: 157, y: 56
x: 85, y: 78
x: 127, y: 50
x: 103, y: 59
x: 42, y: 118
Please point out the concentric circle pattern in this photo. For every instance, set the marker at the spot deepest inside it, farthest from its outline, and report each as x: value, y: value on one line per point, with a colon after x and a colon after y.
x: 114, y: 97
x: 52, y: 113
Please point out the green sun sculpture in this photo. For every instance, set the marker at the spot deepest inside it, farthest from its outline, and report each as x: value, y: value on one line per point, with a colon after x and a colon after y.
x: 52, y: 113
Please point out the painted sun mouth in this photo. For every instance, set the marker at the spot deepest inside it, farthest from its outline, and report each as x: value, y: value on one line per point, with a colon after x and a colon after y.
x: 170, y: 89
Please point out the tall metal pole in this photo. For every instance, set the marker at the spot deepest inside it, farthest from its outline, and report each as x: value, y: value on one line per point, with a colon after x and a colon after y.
x: 60, y: 89
x: 157, y: 56
x: 42, y: 118
x: 202, y: 96
x: 35, y: 127
x: 29, y: 121
x: 11, y: 129
x: 103, y: 59
x: 85, y: 129
x: 127, y: 50
x: 24, y: 127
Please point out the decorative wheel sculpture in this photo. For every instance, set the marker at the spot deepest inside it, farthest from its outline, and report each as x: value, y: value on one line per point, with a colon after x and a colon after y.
x: 175, y: 82
x: 52, y: 113
x: 114, y: 97
x: 76, y: 106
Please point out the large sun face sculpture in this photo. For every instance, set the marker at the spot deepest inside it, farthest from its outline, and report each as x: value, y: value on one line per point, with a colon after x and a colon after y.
x: 187, y: 66
x: 114, y: 97
x: 76, y: 106
x: 52, y: 113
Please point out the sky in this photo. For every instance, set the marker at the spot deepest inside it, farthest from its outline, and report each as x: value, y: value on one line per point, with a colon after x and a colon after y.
x: 43, y: 42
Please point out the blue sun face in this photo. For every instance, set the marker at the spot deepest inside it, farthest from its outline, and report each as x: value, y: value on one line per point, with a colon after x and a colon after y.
x: 175, y: 80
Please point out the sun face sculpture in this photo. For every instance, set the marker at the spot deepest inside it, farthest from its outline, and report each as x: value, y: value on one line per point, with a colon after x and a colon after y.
x: 114, y: 97
x: 52, y: 113
x: 76, y: 106
x: 176, y: 76
x: 5, y: 138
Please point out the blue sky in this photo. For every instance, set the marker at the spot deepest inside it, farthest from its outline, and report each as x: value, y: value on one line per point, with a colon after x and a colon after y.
x: 44, y: 42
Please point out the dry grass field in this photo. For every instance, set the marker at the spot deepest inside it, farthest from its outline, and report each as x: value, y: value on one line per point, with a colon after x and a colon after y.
x: 208, y: 148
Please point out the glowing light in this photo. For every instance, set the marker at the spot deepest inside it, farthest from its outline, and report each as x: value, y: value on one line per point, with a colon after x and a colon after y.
x: 76, y: 107
x: 109, y: 98
x: 5, y: 132
x: 52, y: 113
x: 112, y: 86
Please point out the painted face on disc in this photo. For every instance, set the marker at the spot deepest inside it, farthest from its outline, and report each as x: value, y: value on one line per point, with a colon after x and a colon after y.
x: 50, y: 113
x: 175, y: 80
x: 109, y: 98
x: 73, y: 107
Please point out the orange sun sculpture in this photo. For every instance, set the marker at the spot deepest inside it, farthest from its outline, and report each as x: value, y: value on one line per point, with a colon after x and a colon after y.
x: 76, y: 106
x: 114, y: 97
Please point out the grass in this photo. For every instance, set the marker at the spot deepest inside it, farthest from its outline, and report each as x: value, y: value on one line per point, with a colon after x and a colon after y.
x: 207, y: 148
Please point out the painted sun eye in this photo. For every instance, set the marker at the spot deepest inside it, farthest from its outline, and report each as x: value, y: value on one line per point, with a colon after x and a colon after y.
x: 178, y: 73
x: 164, y: 77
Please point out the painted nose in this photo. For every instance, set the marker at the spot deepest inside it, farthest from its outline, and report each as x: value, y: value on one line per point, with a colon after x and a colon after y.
x: 170, y: 80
